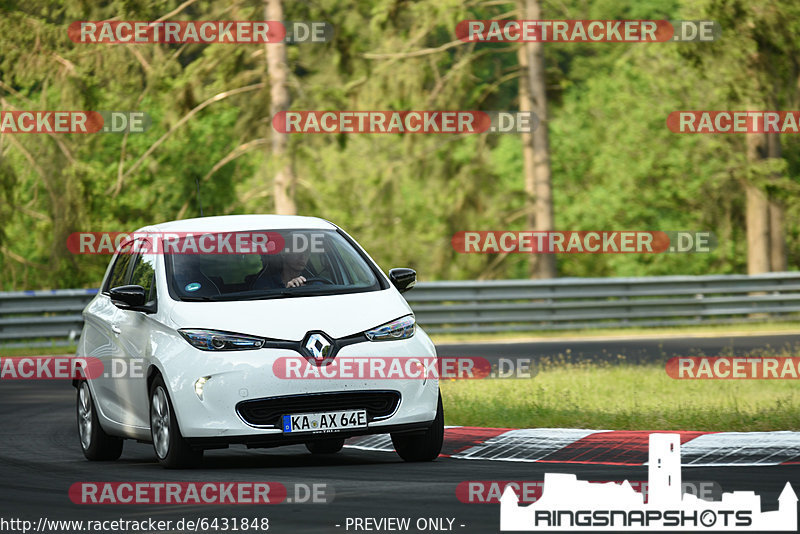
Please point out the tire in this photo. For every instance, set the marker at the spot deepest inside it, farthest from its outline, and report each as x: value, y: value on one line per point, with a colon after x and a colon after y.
x: 172, y: 450
x: 425, y: 447
x: 325, y: 446
x: 95, y: 443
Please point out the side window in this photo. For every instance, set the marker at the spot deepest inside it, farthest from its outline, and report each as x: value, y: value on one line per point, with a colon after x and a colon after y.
x: 143, y: 273
x: 119, y: 272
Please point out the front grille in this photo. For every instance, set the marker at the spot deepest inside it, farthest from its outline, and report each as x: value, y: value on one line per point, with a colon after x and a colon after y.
x: 268, y: 412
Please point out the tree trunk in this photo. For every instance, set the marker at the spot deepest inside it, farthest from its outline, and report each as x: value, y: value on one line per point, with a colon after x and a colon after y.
x: 284, y: 183
x: 777, y: 241
x: 543, y: 188
x: 766, y: 235
x: 527, y: 149
x: 757, y: 214
x: 777, y: 232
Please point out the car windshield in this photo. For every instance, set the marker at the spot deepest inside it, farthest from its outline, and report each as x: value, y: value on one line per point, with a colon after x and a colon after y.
x: 307, y: 263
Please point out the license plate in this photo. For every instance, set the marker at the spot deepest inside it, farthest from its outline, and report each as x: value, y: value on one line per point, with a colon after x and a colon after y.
x: 325, y: 422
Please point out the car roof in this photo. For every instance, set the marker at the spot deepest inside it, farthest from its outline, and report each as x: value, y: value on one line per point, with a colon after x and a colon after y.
x: 239, y: 223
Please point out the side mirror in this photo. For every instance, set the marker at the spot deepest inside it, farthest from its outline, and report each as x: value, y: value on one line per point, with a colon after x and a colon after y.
x: 403, y: 279
x: 129, y: 298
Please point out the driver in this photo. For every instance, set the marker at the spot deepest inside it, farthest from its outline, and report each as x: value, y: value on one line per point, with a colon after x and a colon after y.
x: 294, y: 264
x: 288, y: 273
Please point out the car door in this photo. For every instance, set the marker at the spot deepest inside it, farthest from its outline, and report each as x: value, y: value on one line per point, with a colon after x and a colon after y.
x: 101, y: 335
x: 134, y: 335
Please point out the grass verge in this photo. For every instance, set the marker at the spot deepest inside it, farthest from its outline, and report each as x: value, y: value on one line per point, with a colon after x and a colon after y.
x: 10, y: 352
x: 622, y: 397
x: 654, y: 332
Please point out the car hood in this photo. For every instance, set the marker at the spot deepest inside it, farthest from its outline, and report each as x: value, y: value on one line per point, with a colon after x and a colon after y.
x: 291, y: 318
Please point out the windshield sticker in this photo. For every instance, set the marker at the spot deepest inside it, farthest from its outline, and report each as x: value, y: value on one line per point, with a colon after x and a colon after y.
x: 194, y: 286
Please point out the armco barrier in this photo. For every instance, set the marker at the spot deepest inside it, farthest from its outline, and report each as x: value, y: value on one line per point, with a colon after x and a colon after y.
x: 40, y: 318
x: 36, y: 318
x: 578, y: 303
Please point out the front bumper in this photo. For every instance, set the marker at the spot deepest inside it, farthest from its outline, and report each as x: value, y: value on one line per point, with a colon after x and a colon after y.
x: 234, y: 378
x: 278, y: 440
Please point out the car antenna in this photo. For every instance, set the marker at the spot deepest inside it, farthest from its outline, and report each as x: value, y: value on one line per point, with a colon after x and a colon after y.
x: 199, y: 200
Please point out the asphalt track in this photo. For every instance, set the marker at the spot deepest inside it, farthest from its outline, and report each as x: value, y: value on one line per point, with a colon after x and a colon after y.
x: 40, y: 459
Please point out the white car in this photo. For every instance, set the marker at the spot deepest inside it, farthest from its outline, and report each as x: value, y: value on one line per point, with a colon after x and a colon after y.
x: 189, y: 343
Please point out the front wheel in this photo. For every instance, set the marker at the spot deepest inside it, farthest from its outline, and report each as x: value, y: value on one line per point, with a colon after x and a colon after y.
x: 95, y: 443
x: 413, y: 447
x: 171, y: 448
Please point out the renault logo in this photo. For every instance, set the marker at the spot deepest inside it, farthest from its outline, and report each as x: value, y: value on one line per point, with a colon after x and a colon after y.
x: 318, y: 346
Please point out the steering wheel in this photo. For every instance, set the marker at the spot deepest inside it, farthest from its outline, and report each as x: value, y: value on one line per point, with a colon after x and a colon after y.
x: 319, y: 279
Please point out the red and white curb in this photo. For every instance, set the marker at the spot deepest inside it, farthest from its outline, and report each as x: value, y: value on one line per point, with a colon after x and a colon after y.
x: 606, y: 447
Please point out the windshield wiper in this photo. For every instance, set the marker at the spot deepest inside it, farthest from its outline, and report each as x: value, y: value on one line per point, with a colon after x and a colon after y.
x: 214, y: 298
x: 308, y: 292
x: 225, y: 297
x: 280, y: 294
x: 289, y: 293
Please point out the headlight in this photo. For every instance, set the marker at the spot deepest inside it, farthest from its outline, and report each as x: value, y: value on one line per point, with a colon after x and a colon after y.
x: 402, y: 328
x: 215, y: 340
